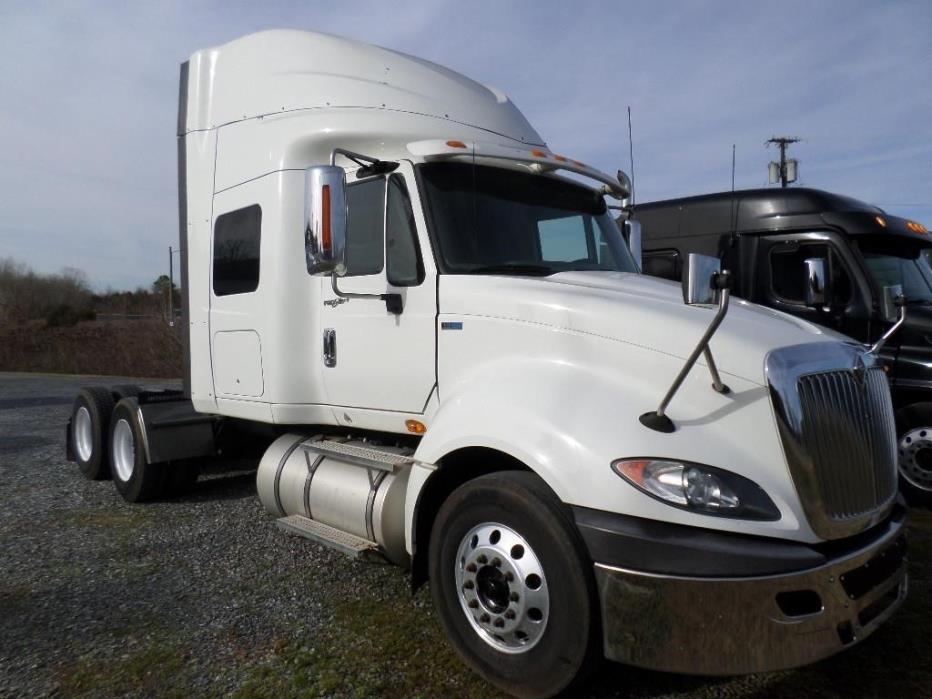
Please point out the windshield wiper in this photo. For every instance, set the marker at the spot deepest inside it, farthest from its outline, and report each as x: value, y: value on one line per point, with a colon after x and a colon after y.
x: 514, y: 268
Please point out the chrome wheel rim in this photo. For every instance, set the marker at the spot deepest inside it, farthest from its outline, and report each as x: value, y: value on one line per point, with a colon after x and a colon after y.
x: 83, y: 434
x: 915, y: 457
x: 502, y: 588
x: 124, y: 450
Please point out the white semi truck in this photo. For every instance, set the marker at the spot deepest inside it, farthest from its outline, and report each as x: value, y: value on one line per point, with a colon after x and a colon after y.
x: 438, y: 329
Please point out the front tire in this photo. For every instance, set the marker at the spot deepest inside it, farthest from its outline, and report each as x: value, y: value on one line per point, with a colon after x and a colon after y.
x: 513, y: 585
x: 135, y: 479
x: 914, y: 453
x: 90, y: 427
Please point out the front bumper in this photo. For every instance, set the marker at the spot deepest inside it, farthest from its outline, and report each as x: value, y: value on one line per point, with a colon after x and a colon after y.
x: 735, y: 625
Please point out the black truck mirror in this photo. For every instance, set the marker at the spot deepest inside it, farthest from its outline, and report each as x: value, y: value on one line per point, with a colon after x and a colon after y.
x: 325, y: 219
x: 816, y: 281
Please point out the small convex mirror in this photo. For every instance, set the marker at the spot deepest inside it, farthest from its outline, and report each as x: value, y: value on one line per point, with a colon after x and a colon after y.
x: 325, y: 219
x: 698, y: 274
x: 889, y: 307
x: 816, y: 276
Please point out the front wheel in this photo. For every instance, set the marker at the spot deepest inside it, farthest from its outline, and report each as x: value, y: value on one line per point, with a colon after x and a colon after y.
x: 914, y: 453
x: 513, y: 586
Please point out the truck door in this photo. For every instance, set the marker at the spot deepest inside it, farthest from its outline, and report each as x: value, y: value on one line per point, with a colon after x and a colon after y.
x: 781, y: 281
x: 378, y: 359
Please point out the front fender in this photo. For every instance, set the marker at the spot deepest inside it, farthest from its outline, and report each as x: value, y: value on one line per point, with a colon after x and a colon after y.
x: 567, y: 421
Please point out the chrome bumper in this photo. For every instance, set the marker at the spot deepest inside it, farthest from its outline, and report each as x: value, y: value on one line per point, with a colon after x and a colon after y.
x: 732, y: 626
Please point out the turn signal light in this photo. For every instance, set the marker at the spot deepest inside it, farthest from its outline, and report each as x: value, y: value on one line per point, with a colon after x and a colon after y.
x: 537, y: 153
x: 415, y: 426
x: 456, y: 144
x: 881, y: 221
x: 916, y: 227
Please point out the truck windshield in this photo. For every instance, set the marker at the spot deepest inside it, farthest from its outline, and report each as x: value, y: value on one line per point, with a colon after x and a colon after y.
x: 488, y: 220
x: 892, y: 261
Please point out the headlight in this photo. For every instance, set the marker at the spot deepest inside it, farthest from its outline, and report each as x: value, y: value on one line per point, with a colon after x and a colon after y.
x: 699, y: 488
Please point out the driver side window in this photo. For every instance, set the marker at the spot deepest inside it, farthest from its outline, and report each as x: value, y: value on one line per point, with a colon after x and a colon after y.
x: 788, y: 272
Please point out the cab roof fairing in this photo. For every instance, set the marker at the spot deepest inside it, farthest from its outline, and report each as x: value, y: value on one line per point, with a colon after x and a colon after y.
x: 288, y: 70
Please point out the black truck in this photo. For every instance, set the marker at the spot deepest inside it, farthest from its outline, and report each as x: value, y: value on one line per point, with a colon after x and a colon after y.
x: 829, y: 259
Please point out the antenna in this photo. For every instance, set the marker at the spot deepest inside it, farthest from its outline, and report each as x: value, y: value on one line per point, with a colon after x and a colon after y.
x: 732, y: 167
x: 631, y: 154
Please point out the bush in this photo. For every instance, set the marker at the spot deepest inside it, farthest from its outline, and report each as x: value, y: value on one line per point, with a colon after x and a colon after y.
x: 63, y: 316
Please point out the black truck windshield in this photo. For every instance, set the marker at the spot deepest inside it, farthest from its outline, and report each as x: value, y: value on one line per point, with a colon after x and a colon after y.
x: 893, y: 261
x: 488, y: 220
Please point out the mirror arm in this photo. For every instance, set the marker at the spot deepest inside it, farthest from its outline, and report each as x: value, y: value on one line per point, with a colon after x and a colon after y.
x: 393, y: 301
x: 658, y: 420
x: 875, y: 348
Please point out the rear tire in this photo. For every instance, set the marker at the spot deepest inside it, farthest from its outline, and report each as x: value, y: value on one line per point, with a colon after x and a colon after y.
x: 513, y: 585
x: 90, y: 429
x: 135, y: 479
x: 124, y: 390
x: 914, y: 453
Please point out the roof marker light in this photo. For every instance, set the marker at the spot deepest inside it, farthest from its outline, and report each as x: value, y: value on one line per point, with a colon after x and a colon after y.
x: 456, y: 144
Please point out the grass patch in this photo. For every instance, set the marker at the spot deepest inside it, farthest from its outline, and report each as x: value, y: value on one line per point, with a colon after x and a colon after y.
x: 371, y: 648
x: 158, y: 668
x: 110, y: 518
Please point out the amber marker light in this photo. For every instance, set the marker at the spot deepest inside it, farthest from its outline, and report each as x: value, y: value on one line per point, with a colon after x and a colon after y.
x: 632, y: 469
x: 537, y: 153
x: 456, y: 144
x: 561, y: 158
x: 415, y: 426
x: 881, y: 221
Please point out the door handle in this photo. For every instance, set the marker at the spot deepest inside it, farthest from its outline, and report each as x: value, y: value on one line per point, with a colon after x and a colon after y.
x: 330, y: 347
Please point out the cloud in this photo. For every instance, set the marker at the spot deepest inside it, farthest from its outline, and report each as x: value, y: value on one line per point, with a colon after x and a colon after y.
x: 88, y: 100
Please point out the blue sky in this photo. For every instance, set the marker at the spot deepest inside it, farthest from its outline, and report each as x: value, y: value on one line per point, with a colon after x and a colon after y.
x: 88, y: 96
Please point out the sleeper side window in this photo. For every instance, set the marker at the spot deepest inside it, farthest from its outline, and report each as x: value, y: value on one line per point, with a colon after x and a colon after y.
x: 662, y: 263
x: 404, y: 265
x: 237, y: 236
x: 365, y: 227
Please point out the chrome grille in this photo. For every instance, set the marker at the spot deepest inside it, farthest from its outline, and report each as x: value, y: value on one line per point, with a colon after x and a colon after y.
x: 835, y: 417
x: 847, y: 429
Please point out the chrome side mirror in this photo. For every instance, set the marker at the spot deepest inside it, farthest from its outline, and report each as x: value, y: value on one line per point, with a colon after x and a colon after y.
x: 816, y: 277
x: 698, y: 276
x: 890, y: 303
x: 325, y: 219
x: 893, y: 308
x: 635, y: 241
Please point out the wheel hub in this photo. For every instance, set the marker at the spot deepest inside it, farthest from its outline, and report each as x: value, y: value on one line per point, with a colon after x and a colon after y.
x: 502, y: 587
x: 83, y: 434
x: 915, y: 457
x: 124, y: 451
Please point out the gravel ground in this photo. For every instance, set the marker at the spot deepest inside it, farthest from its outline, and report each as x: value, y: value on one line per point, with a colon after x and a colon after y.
x: 203, y: 596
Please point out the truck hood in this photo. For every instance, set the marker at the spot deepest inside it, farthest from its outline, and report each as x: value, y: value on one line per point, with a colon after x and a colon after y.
x: 632, y: 308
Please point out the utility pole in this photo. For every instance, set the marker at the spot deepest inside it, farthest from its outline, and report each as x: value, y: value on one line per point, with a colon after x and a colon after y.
x: 782, y: 174
x: 171, y: 287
